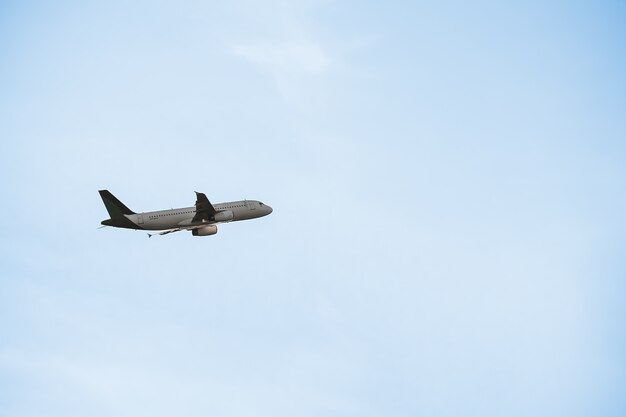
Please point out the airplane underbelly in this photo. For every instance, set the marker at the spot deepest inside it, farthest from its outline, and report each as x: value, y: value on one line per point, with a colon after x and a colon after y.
x: 160, y: 224
x: 165, y: 221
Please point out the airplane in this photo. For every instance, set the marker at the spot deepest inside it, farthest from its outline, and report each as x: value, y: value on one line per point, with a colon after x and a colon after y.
x: 201, y: 220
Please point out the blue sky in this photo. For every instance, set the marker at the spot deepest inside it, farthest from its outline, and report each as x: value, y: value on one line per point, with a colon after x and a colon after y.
x: 448, y: 190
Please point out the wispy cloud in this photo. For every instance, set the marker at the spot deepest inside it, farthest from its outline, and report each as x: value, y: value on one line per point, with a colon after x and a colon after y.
x: 291, y: 64
x: 304, y: 58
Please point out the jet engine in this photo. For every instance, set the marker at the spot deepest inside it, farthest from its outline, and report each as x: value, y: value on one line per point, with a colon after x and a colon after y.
x: 205, y: 230
x: 224, y: 216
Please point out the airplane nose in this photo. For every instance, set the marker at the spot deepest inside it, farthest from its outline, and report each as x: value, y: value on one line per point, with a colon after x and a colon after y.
x: 270, y: 210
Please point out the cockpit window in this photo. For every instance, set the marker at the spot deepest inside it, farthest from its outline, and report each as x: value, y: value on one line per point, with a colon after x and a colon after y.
x: 260, y: 203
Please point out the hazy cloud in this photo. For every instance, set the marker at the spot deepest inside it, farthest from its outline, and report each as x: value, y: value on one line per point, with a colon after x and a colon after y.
x: 305, y: 58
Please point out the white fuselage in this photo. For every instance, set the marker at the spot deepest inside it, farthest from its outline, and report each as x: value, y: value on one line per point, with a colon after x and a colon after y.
x: 183, y: 217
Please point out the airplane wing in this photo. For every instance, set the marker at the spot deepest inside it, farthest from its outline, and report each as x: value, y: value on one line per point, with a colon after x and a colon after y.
x: 204, y: 208
x: 177, y: 229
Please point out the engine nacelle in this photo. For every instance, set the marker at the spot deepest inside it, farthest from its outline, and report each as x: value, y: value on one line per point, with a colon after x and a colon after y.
x: 208, y: 230
x: 224, y: 216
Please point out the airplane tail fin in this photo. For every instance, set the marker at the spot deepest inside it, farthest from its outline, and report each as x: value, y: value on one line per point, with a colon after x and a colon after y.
x: 114, y: 206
